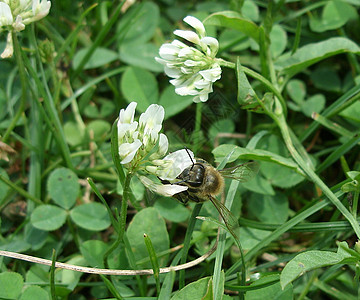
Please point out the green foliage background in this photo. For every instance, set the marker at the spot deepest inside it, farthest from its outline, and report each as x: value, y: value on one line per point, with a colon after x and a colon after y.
x: 292, y: 104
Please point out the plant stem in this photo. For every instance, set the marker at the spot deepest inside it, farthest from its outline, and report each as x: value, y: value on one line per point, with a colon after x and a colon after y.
x: 122, y: 219
x: 23, y: 80
x: 197, y: 131
x: 280, y: 120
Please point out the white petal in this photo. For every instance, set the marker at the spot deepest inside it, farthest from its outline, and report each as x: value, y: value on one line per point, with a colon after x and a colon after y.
x: 212, y: 43
x: 6, y: 17
x: 127, y: 151
x: 196, y: 99
x: 163, y: 144
x: 18, y: 25
x: 40, y: 10
x: 9, y: 49
x: 211, y: 74
x: 196, y: 24
x: 184, y: 91
x: 188, y: 35
x: 151, y: 119
x: 169, y: 51
x: 176, y: 163
x: 204, y: 97
x: 166, y: 190
x: 126, y: 129
x: 127, y: 115
x: 202, y: 84
x: 187, y: 52
x: 172, y: 72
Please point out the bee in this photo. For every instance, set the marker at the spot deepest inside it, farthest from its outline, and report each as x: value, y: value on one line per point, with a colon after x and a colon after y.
x: 204, y: 183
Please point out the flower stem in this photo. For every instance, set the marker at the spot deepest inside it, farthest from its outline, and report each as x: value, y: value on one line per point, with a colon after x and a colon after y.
x: 281, y: 122
x: 122, y: 219
x: 23, y: 80
x: 197, y: 136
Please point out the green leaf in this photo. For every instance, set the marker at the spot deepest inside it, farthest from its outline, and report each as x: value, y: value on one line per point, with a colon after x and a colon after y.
x: 48, y: 217
x: 68, y: 277
x: 259, y: 185
x: 172, y: 102
x: 278, y: 38
x: 143, y: 20
x: 336, y: 13
x: 352, y: 112
x: 121, y: 287
x: 100, y: 129
x: 269, y: 209
x: 194, y: 290
x: 63, y: 187
x: 233, y: 20
x: 73, y: 134
x: 11, y: 284
x: 91, y: 216
x: 326, y: 78
x: 280, y: 176
x: 250, y: 237
x: 137, y: 188
x: 100, y: 57
x: 35, y: 292
x: 93, y: 251
x: 150, y: 222
x: 315, y: 103
x: 246, y: 95
x: 297, y: 90
x: 308, y: 261
x: 172, y: 210
x: 102, y: 109
x: 313, y: 53
x: 250, y: 10
x: 257, y: 154
x: 141, y: 55
x: 272, y: 291
x: 140, y: 86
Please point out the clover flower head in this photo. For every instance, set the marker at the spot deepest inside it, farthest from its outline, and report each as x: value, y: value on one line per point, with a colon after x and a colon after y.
x: 15, y: 14
x: 142, y: 149
x: 194, y: 69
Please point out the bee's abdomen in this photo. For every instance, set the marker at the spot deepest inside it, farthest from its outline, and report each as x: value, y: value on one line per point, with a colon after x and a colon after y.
x: 213, y: 184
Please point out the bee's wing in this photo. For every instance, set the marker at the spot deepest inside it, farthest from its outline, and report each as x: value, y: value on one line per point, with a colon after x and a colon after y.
x: 229, y: 219
x: 242, y: 173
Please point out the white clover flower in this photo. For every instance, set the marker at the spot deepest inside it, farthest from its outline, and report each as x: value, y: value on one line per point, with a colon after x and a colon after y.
x: 137, y: 139
x: 15, y: 14
x: 143, y: 149
x: 193, y: 69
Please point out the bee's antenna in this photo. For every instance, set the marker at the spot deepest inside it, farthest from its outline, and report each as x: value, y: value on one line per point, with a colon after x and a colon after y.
x: 193, y: 163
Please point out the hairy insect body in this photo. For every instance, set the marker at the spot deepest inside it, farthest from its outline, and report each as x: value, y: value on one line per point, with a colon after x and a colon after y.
x: 203, y: 181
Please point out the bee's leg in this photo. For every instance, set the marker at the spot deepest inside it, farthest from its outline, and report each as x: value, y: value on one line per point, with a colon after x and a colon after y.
x: 183, y: 197
x: 194, y: 198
